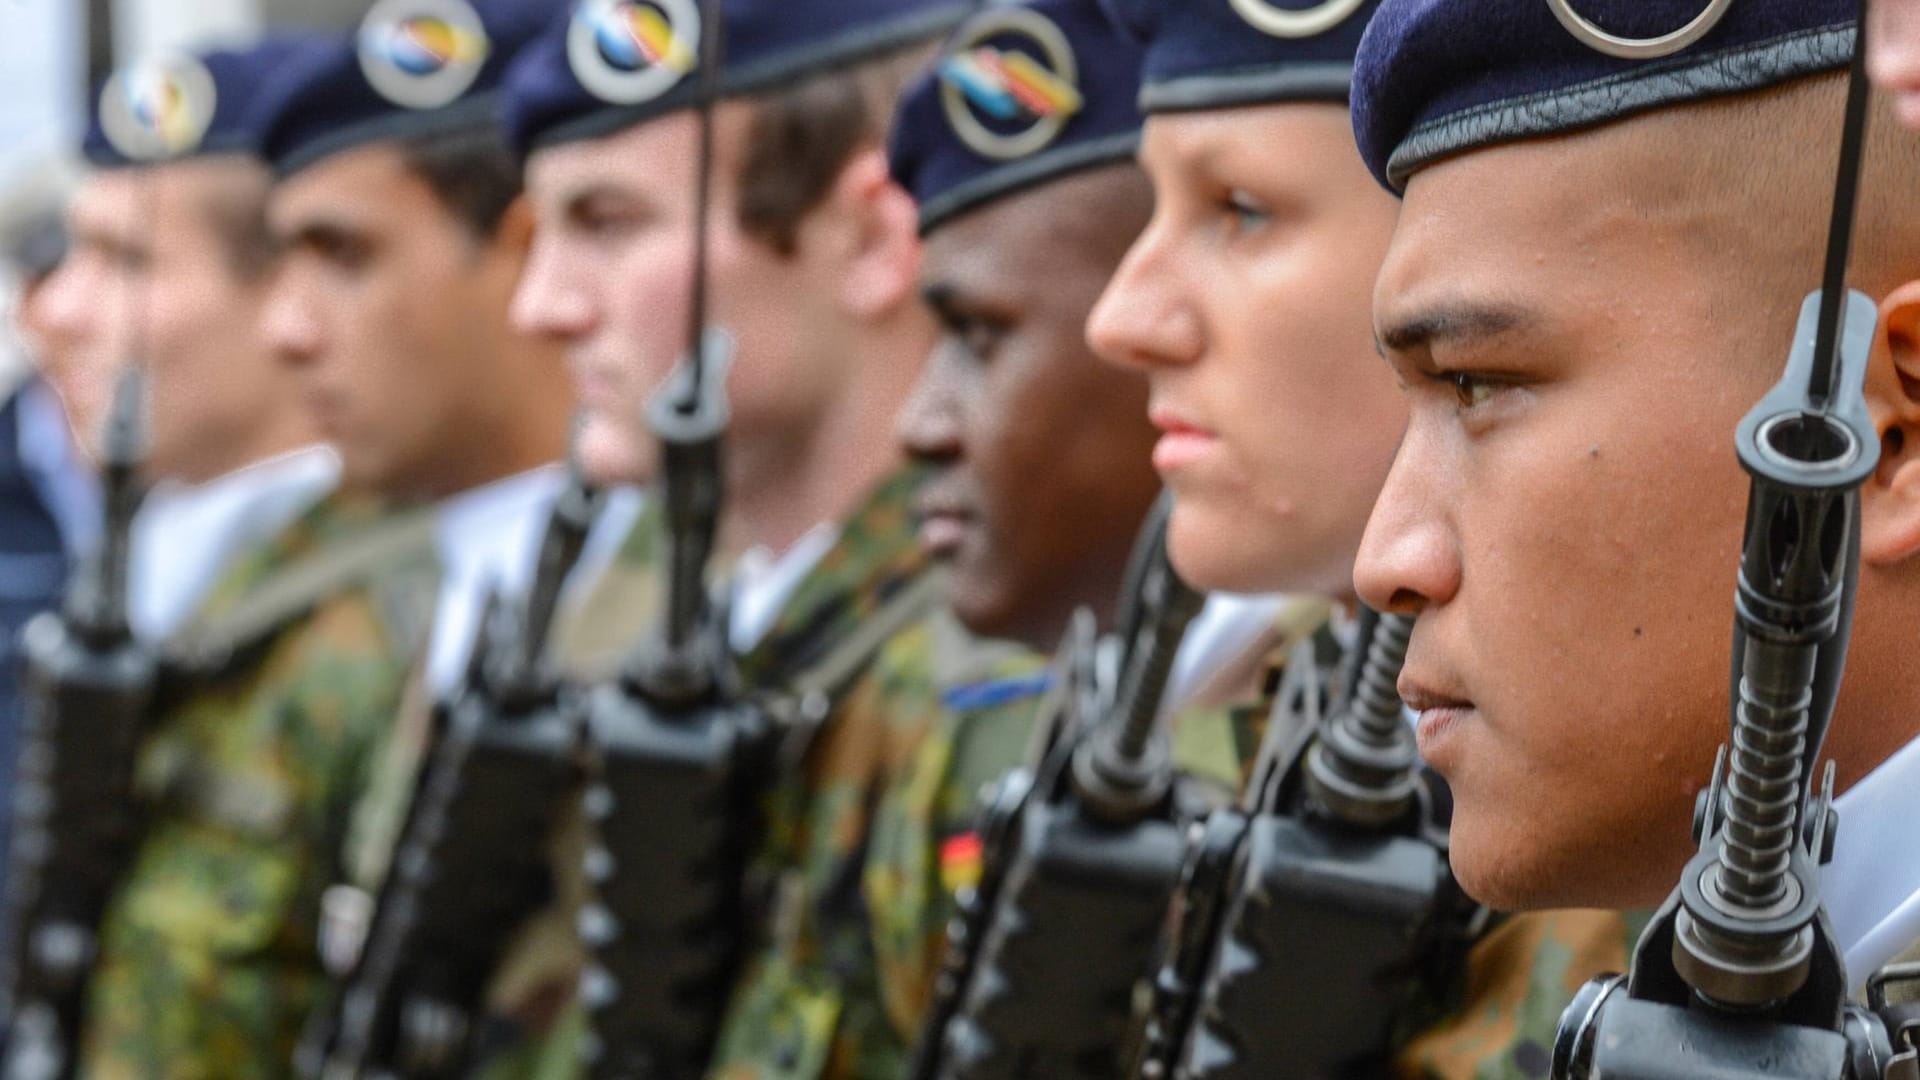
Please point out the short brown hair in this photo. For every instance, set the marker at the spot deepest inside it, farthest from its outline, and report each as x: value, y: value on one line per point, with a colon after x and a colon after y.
x: 471, y: 171
x: 801, y: 137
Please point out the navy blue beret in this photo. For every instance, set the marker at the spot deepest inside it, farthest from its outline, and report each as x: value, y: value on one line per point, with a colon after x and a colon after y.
x: 615, y: 63
x: 416, y: 67
x: 183, y: 106
x: 1216, y: 54
x: 1438, y: 77
x: 1024, y: 93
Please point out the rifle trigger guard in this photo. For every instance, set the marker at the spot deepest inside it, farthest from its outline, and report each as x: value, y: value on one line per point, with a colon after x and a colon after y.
x: 1651, y: 48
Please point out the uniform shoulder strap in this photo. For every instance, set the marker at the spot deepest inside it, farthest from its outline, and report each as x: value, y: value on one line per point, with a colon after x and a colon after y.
x: 848, y: 658
x: 210, y: 641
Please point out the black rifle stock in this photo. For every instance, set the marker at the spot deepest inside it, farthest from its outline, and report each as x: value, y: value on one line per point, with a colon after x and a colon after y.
x: 1739, y: 976
x: 470, y: 866
x: 1307, y: 917
x: 1043, y: 963
x: 89, y: 686
x: 679, y: 758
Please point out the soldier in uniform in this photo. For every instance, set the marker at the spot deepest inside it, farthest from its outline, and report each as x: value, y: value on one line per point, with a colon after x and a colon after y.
x: 1040, y: 458
x: 46, y: 492
x: 1247, y: 305
x: 813, y: 265
x: 290, y: 666
x: 397, y: 207
x: 168, y: 271
x: 1566, y: 509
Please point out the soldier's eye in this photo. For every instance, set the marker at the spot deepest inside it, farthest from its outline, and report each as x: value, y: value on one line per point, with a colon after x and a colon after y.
x: 1471, y: 389
x: 1247, y: 213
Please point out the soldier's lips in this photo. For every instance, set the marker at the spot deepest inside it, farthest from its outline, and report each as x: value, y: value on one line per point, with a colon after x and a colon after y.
x: 1183, y: 441
x: 1441, y: 717
x: 942, y: 534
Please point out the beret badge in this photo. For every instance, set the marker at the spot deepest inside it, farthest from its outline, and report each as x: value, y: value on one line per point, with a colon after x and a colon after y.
x: 422, y: 54
x: 629, y: 52
x: 158, y: 109
x: 1276, y: 21
x: 1650, y: 48
x: 1011, y: 84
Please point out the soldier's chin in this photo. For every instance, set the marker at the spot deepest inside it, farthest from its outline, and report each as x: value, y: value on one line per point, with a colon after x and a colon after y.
x: 615, y: 454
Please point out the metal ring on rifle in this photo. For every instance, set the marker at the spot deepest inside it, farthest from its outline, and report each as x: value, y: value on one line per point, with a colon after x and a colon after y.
x: 1284, y: 23
x: 1638, y: 48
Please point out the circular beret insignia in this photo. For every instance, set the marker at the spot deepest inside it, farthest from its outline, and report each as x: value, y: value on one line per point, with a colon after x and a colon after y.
x: 423, y: 54
x: 1011, y: 84
x: 1651, y: 48
x: 159, y: 108
x: 628, y: 52
x: 1291, y: 23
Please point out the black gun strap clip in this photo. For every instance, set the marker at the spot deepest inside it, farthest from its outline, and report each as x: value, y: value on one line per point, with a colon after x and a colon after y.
x: 1893, y: 994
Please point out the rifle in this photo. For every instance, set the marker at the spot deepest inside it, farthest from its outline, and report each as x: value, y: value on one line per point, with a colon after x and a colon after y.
x: 679, y: 755
x: 678, y: 759
x: 88, y: 686
x: 1738, y: 975
x: 1306, y: 916
x: 470, y: 864
x: 1082, y: 855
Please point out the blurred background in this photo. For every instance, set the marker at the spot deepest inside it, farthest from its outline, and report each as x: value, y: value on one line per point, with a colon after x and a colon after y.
x: 52, y: 51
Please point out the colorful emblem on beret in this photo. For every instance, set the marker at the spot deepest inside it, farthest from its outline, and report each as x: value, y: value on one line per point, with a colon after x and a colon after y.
x: 1011, y: 84
x: 423, y: 54
x: 627, y: 52
x: 1650, y: 48
x: 1271, y: 19
x: 158, y: 109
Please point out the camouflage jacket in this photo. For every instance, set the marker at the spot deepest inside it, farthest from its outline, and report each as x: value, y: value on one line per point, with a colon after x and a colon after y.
x: 208, y: 963
x: 817, y: 821
x: 1500, y: 1021
x: 808, y: 1002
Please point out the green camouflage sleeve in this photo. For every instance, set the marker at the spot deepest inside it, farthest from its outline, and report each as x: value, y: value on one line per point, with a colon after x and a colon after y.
x: 1520, y: 977
x: 840, y: 989
x: 208, y: 964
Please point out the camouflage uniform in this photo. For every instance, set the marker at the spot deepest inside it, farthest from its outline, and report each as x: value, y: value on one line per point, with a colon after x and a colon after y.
x: 959, y: 714
x: 1520, y: 977
x: 817, y: 822
x: 208, y: 963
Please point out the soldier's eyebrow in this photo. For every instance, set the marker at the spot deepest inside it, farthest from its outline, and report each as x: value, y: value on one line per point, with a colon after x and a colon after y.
x: 1450, y: 324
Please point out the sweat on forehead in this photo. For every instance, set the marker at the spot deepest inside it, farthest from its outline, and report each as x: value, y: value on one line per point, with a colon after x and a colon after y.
x: 1435, y: 78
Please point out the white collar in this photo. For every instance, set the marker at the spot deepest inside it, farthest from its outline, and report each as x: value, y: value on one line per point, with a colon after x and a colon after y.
x: 487, y: 538
x: 1872, y: 886
x: 763, y: 582
x: 185, y: 535
x: 1221, y: 634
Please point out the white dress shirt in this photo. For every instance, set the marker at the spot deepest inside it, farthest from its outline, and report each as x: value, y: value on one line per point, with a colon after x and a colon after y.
x: 763, y: 583
x: 184, y: 536
x: 487, y: 538
x: 1872, y: 886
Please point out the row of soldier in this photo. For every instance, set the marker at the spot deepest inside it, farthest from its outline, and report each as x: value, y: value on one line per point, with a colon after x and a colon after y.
x: 379, y: 742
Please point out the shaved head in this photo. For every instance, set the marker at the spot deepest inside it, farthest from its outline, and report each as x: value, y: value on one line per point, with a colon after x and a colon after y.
x: 1579, y: 323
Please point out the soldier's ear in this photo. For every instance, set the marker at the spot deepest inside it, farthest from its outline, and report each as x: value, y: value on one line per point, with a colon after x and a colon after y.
x: 1890, y: 528
x: 879, y: 238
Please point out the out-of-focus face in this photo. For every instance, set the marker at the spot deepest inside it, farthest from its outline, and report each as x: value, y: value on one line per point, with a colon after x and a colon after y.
x: 1893, y: 53
x: 1247, y: 304
x: 152, y: 278
x: 1041, y: 454
x: 1565, y: 513
x: 388, y: 309
x: 611, y: 276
